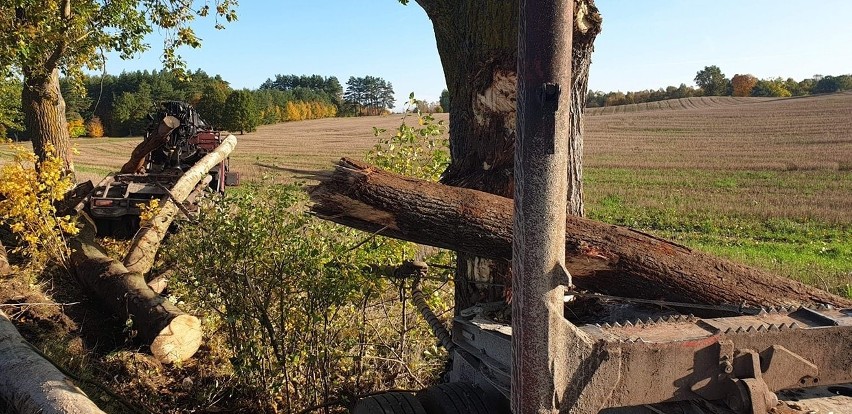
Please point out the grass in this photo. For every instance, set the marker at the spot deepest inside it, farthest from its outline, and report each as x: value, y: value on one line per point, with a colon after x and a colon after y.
x: 746, y: 216
x: 762, y: 181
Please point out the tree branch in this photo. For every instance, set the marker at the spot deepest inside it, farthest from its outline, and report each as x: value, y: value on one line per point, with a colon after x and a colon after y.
x: 65, y: 16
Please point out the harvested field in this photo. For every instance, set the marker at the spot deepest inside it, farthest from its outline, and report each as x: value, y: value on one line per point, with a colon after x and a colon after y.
x: 806, y: 133
x: 763, y: 180
x: 283, y: 151
x: 703, y: 102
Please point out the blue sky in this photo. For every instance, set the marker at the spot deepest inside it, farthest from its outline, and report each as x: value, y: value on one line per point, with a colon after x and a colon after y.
x: 645, y: 43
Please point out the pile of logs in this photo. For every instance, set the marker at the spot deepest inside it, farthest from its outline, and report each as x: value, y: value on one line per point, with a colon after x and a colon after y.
x: 171, y: 334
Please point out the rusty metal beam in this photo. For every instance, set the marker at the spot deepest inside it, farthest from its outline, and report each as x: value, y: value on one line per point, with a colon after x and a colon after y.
x: 540, y: 334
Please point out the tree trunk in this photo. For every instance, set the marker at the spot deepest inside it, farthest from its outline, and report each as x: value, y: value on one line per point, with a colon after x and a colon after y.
x: 151, y: 142
x: 587, y: 26
x: 478, y: 45
x: 172, y: 334
x: 31, y: 384
x: 601, y: 257
x: 143, y: 249
x: 44, y: 115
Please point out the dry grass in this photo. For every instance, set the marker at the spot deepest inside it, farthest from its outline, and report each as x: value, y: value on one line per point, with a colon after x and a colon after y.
x: 283, y: 151
x: 807, y: 133
x: 766, y: 157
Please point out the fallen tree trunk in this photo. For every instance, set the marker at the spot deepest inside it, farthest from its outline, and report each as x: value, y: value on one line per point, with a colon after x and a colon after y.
x: 31, y: 384
x: 172, y: 334
x: 600, y: 257
x: 143, y: 249
x: 156, y: 140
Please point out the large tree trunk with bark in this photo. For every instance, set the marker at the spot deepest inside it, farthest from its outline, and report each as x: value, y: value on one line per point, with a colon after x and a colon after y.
x: 31, y: 384
x: 601, y: 257
x: 478, y: 45
x: 172, y: 334
x: 44, y: 115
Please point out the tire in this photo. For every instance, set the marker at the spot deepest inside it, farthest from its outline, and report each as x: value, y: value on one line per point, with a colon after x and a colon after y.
x: 459, y: 398
x: 389, y: 403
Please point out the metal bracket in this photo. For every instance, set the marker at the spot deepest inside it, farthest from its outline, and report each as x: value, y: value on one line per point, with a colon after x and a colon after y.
x: 548, y: 95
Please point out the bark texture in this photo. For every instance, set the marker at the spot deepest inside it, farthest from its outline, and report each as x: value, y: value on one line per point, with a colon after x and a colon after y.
x: 143, y: 249
x: 31, y: 384
x: 172, y: 334
x: 478, y: 45
x: 151, y: 142
x: 587, y: 26
x: 600, y: 257
x: 44, y: 115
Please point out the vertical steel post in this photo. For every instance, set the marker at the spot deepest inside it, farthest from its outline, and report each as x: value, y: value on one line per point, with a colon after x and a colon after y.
x: 538, y: 327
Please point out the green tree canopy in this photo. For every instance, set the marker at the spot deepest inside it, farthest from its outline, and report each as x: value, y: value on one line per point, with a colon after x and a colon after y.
x: 712, y: 81
x: 771, y: 88
x: 241, y: 112
x: 211, y: 106
x: 445, y: 100
x: 371, y: 94
x: 328, y: 88
x: 10, y: 106
x: 827, y: 84
x: 40, y: 37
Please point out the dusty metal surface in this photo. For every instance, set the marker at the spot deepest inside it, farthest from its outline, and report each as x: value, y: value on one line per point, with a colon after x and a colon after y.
x: 745, y: 363
x: 539, y: 356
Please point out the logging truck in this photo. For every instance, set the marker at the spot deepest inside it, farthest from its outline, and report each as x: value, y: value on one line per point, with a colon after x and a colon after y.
x: 175, y: 139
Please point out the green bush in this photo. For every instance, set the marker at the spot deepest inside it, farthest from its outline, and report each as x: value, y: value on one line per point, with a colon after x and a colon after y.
x: 310, y: 310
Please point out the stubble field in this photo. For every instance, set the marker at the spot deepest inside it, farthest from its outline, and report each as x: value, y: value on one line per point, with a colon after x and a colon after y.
x: 765, y: 181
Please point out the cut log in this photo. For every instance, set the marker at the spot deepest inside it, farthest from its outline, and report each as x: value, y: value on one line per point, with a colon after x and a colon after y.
x: 31, y: 384
x: 160, y: 283
x: 156, y: 140
x: 143, y: 249
x: 172, y: 334
x: 601, y: 257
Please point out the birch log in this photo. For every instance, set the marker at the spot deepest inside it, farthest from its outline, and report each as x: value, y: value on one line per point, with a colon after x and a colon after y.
x: 31, y: 384
x: 143, y: 249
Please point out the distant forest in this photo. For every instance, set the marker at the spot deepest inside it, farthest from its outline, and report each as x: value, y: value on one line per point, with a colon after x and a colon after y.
x: 119, y: 105
x: 712, y: 82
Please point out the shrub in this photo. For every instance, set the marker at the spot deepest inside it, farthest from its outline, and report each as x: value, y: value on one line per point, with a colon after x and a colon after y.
x: 420, y: 151
x: 94, y: 128
x: 309, y: 309
x: 27, y: 206
x: 76, y: 128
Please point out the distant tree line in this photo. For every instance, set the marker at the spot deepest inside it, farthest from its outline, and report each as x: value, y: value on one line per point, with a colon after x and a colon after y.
x: 712, y: 82
x: 368, y: 95
x: 118, y: 105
